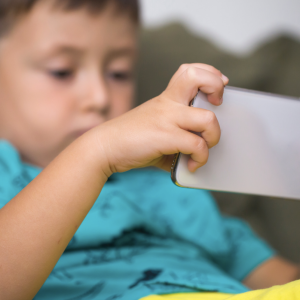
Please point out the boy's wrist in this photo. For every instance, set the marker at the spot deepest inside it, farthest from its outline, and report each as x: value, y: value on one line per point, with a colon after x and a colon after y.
x: 94, y: 145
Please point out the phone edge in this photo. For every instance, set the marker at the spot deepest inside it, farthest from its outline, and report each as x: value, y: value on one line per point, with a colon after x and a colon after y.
x: 174, y: 169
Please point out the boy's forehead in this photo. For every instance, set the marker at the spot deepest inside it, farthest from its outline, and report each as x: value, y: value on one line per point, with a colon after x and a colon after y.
x: 73, y: 31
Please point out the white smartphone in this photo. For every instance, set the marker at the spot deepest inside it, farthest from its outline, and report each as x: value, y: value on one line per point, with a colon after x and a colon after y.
x: 259, y: 149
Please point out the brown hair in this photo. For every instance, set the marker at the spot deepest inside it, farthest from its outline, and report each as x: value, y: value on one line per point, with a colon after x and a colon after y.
x: 11, y: 10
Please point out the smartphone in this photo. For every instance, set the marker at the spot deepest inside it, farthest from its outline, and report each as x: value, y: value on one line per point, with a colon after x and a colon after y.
x: 259, y: 149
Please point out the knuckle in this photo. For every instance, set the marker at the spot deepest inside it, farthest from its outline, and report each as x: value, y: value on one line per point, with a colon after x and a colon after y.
x: 183, y: 67
x: 210, y: 118
x: 218, y: 72
x: 220, y: 84
x: 203, y: 155
x: 213, y: 70
x: 200, y: 145
x: 200, y: 150
x: 191, y: 73
x: 217, y: 87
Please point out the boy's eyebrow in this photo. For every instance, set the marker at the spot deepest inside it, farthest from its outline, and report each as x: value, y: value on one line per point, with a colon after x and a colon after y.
x: 63, y: 49
x: 76, y: 51
x: 121, y: 52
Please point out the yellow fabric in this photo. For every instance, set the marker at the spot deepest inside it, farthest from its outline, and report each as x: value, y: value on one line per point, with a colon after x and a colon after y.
x: 290, y: 291
x: 189, y: 296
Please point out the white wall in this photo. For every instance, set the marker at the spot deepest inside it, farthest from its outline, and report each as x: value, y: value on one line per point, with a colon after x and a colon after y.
x: 237, y: 26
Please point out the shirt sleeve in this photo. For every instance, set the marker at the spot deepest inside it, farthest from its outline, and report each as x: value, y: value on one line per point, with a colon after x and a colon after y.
x: 247, y: 250
x: 14, y: 174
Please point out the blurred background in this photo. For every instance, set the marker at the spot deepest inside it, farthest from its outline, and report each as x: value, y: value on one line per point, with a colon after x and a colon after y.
x: 236, y: 26
x: 257, y: 45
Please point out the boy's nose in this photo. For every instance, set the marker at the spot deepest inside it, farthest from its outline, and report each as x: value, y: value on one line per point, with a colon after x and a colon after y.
x: 97, y: 95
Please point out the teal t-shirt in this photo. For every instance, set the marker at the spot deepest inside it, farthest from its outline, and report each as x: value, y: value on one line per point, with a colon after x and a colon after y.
x: 144, y: 236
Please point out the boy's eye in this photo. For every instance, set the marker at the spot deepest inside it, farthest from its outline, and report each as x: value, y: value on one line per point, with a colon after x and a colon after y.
x: 62, y: 74
x: 120, y: 76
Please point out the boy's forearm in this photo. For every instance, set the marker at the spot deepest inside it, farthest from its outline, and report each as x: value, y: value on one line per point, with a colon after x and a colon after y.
x: 275, y: 271
x: 37, y: 225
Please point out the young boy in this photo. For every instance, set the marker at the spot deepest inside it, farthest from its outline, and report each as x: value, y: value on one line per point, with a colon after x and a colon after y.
x: 66, y: 86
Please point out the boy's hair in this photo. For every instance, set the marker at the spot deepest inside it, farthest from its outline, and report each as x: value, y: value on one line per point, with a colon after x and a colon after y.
x: 11, y: 10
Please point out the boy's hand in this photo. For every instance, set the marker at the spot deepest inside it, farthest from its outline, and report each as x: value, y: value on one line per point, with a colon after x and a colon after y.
x: 152, y: 133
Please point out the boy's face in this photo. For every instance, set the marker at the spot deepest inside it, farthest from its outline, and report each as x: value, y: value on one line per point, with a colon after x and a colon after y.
x: 62, y: 73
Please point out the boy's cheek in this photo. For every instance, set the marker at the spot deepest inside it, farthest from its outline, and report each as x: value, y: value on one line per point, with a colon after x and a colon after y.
x: 42, y: 113
x: 45, y: 101
x: 122, y: 100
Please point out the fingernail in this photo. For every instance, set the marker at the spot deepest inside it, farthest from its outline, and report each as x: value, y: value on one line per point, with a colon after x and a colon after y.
x: 225, y: 79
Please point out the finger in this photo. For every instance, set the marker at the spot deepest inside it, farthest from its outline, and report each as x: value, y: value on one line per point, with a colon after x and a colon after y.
x: 186, y: 86
x: 200, y: 120
x: 166, y: 162
x: 206, y: 67
x: 184, y: 67
x: 193, y: 145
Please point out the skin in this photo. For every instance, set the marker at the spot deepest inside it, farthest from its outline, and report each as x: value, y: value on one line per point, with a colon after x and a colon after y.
x: 61, y: 79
